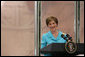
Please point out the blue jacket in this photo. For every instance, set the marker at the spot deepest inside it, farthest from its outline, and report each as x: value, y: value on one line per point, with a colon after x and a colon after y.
x: 48, y: 38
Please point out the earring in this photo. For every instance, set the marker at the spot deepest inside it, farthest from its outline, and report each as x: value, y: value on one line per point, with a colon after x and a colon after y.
x: 56, y: 25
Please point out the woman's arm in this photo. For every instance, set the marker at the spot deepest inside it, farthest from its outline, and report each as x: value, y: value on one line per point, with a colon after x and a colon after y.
x: 44, y: 44
x: 43, y: 41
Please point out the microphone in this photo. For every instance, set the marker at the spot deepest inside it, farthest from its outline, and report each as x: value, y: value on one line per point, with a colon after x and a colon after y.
x: 70, y: 46
x: 70, y: 38
x: 63, y: 36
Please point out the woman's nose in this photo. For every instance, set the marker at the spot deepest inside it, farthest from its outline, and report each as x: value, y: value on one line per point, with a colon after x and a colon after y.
x: 52, y: 25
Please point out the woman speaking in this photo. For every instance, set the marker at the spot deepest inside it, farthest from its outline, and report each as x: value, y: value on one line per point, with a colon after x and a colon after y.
x: 52, y: 36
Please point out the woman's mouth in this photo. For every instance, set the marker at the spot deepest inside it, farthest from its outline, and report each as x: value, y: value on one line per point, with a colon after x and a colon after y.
x: 53, y: 28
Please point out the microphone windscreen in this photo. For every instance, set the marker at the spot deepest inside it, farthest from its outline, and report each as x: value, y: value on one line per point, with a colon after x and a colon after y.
x: 67, y: 35
x: 62, y: 35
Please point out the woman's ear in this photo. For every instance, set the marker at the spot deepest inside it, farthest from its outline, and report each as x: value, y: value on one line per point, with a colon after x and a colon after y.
x: 56, y: 25
x: 47, y: 25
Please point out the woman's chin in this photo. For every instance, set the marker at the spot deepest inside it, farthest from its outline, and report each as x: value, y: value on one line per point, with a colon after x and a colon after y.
x: 53, y: 29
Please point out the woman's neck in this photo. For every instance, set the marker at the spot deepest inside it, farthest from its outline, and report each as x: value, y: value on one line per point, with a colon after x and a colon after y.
x: 53, y: 32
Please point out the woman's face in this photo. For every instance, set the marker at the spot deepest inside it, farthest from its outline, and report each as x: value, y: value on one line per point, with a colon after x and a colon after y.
x: 52, y: 25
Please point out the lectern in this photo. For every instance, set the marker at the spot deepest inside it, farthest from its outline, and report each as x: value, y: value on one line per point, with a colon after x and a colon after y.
x: 58, y: 49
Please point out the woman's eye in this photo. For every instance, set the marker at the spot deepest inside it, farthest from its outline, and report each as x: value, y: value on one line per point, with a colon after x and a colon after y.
x: 53, y: 23
x: 49, y: 24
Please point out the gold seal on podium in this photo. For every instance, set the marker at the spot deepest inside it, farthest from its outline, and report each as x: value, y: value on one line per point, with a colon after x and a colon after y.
x: 70, y: 47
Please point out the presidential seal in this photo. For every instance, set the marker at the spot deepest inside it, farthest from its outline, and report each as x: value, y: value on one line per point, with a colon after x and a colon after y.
x: 70, y: 47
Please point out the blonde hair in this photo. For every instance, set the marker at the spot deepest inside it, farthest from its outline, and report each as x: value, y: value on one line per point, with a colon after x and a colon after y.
x: 51, y: 18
